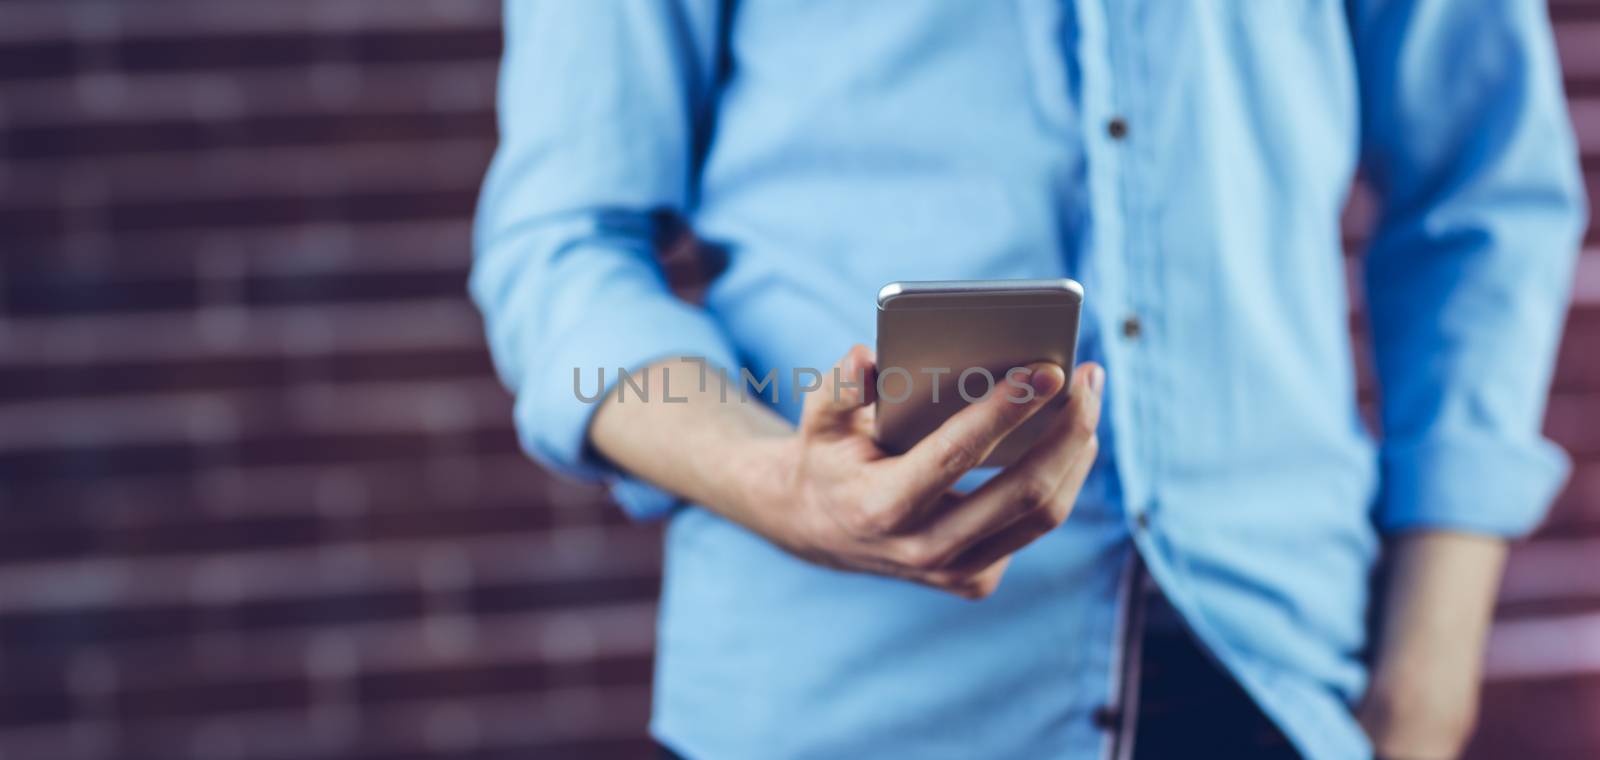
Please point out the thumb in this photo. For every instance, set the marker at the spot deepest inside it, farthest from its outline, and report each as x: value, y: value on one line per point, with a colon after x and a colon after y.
x: 845, y: 388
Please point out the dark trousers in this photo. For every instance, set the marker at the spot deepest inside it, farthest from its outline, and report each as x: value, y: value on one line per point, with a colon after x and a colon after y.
x: 1176, y: 702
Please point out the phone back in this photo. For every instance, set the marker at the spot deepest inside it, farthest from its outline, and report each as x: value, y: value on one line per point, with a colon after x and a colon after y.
x: 931, y: 333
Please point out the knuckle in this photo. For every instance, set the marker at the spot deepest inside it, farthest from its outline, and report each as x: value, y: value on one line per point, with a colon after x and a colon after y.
x: 1012, y: 412
x: 1083, y: 426
x: 1060, y: 509
x: 965, y: 588
x: 1034, y: 495
x: 911, y: 552
x: 870, y: 518
x: 953, y: 582
x: 1044, y: 520
x: 1049, y: 516
x: 968, y: 583
x: 923, y: 554
x: 982, y: 587
x: 957, y: 455
x: 1057, y: 515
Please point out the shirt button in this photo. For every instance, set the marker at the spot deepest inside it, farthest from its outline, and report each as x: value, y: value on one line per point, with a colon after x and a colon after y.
x: 1117, y: 128
x: 1131, y: 327
x: 1142, y: 520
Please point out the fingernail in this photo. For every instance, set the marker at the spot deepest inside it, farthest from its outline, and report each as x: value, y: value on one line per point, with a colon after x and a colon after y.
x: 1097, y: 380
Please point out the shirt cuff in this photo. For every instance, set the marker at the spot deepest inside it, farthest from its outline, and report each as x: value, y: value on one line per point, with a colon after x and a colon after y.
x: 553, y: 420
x: 1492, y: 488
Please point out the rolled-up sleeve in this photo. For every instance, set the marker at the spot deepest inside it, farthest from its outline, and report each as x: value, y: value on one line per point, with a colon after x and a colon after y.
x: 601, y: 106
x: 1469, y: 147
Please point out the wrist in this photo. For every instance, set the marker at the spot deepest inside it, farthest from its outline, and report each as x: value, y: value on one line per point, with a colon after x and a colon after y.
x: 758, y: 473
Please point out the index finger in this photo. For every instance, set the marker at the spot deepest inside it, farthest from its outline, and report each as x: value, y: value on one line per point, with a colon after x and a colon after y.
x: 935, y: 464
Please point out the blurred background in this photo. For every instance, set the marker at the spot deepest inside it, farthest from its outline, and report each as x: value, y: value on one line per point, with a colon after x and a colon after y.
x: 259, y: 491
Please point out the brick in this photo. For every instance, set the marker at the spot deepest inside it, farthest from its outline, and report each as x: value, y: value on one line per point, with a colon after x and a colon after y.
x: 31, y: 225
x: 1575, y: 43
x: 568, y: 722
x: 220, y: 254
x: 224, y: 331
x: 586, y: 632
x: 250, y: 172
x: 64, y: 380
x: 1551, y: 569
x: 103, y: 20
x: 190, y: 109
x: 446, y: 481
x: 1543, y: 718
x: 60, y: 58
x: 443, y: 483
x: 1577, y: 509
x: 561, y: 555
x: 220, y: 418
x: 1569, y: 423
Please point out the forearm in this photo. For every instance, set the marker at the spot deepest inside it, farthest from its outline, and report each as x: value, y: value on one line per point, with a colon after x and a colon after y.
x: 1441, y: 590
x: 713, y: 448
x: 1438, y: 603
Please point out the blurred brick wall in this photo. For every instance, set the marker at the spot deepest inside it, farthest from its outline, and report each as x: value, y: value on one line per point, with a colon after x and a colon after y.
x: 261, y: 495
x: 259, y: 492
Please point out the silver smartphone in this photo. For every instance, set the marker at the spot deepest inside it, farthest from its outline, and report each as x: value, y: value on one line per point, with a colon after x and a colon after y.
x: 941, y: 344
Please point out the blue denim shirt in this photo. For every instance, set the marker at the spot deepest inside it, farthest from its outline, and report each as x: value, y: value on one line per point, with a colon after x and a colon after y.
x: 835, y: 145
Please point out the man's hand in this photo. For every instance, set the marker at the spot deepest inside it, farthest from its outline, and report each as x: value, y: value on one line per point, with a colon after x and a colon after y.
x: 856, y: 508
x: 1439, y: 601
x: 828, y: 494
